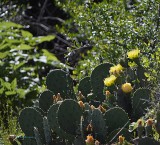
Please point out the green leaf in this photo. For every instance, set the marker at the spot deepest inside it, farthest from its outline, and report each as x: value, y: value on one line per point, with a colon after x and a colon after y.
x: 26, y: 34
x: 7, y: 85
x: 21, y: 93
x: 41, y: 39
x: 1, y: 90
x: 50, y: 56
x: 14, y: 84
x: 3, y: 54
x: 9, y: 93
x: 15, y: 67
x: 24, y: 47
x: 5, y: 25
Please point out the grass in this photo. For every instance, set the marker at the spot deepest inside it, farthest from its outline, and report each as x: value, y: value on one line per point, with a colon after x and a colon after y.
x: 12, y: 129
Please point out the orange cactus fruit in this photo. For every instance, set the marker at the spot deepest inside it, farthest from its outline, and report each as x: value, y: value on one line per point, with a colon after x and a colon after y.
x: 97, y: 142
x: 121, y: 139
x: 81, y: 104
x: 108, y: 93
x: 102, y: 109
x: 92, y: 107
x: 89, y: 128
x: 89, y: 140
x: 149, y: 122
x: 139, y: 122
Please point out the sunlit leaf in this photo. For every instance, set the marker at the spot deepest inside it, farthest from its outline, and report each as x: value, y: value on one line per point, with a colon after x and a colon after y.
x: 9, y: 93
x: 26, y: 34
x: 6, y: 25
x: 50, y: 56
x: 14, y: 84
x: 41, y: 39
x: 24, y: 47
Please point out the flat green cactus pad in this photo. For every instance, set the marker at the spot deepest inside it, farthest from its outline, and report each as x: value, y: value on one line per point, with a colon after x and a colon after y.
x: 85, y: 86
x: 45, y: 100
x: 146, y: 141
x: 140, y: 101
x: 54, y: 125
x: 99, y: 125
x: 69, y: 115
x: 58, y: 81
x: 116, y: 118
x: 30, y: 118
x: 97, y: 77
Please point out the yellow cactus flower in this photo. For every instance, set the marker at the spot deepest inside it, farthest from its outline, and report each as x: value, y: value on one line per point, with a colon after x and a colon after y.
x: 110, y: 80
x: 126, y: 88
x: 89, y: 140
x: 81, y: 104
x: 133, y: 54
x: 116, y: 70
x: 121, y: 139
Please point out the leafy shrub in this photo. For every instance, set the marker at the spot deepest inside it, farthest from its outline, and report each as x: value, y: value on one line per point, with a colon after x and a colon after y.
x: 113, y: 28
x: 22, y: 65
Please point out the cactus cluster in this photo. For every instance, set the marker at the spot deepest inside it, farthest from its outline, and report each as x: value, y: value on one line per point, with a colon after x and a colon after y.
x: 95, y: 115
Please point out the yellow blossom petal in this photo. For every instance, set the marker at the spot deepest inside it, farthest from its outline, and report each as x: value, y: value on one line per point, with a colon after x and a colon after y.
x: 133, y: 54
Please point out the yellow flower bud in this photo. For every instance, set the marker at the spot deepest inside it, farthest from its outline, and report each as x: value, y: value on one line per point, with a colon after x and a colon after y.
x: 126, y: 88
x: 116, y: 70
x: 133, y: 54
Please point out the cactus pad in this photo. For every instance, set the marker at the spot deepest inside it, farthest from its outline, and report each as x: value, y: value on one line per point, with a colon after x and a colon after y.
x: 59, y: 81
x: 85, y: 86
x: 99, y: 126
x: 140, y: 101
x: 69, y: 115
x: 45, y: 100
x: 116, y: 118
x: 53, y: 122
x: 97, y: 77
x: 146, y: 141
x: 30, y: 118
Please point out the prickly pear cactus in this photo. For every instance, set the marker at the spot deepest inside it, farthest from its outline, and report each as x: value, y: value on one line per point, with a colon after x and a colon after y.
x: 115, y: 118
x: 99, y: 126
x: 30, y: 118
x: 140, y: 101
x: 58, y: 81
x: 45, y: 100
x: 97, y: 77
x: 85, y: 86
x: 69, y: 116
